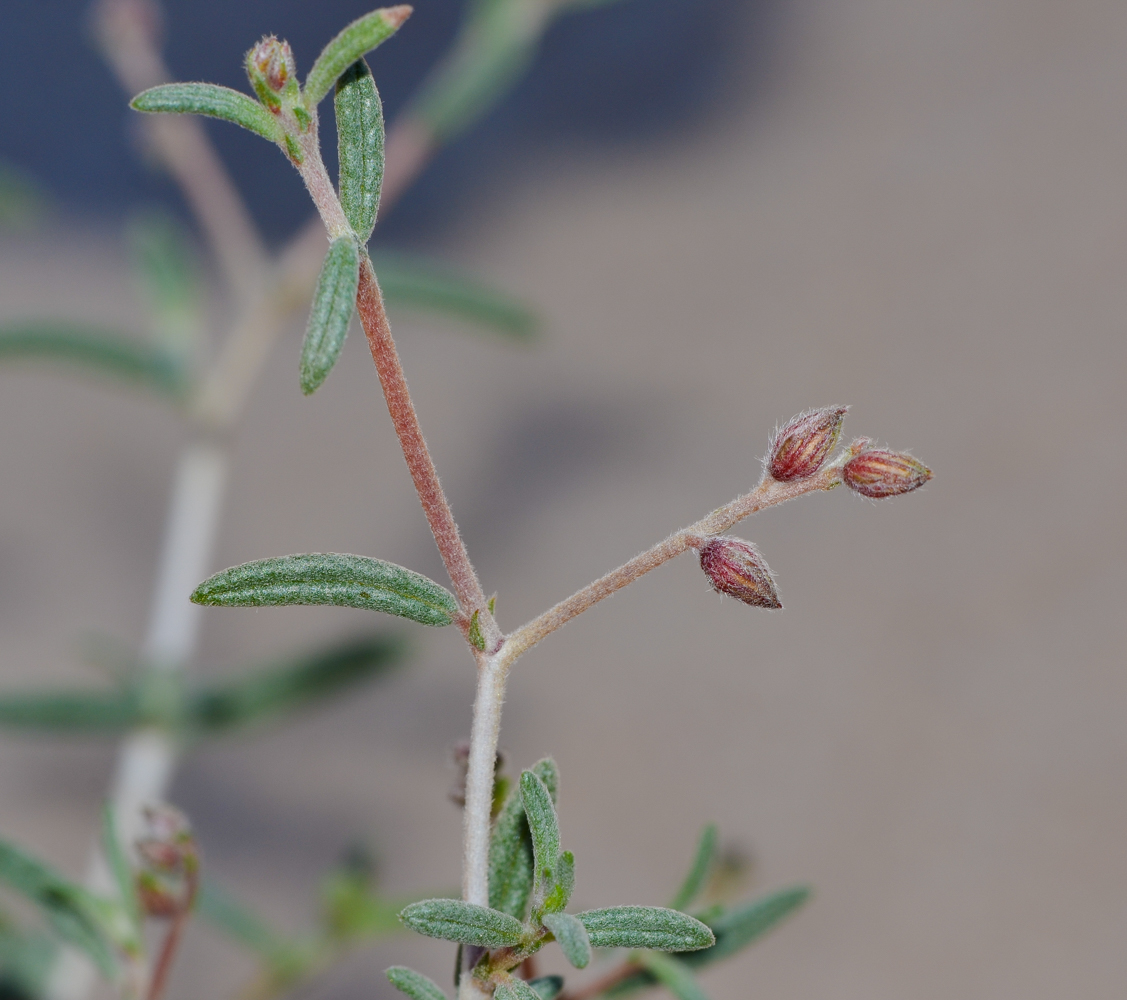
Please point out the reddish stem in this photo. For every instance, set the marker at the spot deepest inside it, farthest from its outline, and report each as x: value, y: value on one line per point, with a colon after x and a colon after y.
x: 172, y: 942
x: 373, y: 317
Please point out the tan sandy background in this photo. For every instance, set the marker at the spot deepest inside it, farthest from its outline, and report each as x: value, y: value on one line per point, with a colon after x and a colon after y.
x: 923, y: 214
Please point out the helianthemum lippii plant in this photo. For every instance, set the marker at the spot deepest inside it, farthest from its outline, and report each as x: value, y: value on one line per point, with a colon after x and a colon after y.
x: 516, y: 881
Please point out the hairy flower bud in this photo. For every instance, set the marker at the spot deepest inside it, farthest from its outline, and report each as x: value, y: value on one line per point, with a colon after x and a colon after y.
x: 735, y: 567
x: 876, y: 473
x: 801, y: 448
x: 270, y: 66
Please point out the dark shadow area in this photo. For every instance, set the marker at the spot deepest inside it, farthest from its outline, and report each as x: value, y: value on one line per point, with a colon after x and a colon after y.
x: 636, y: 71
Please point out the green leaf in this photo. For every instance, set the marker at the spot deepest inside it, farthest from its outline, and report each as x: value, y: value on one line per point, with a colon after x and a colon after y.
x: 222, y: 910
x: 544, y: 826
x: 96, y: 349
x: 740, y: 927
x: 93, y: 712
x: 645, y: 927
x: 211, y: 100
x: 120, y: 869
x: 351, y: 909
x: 413, y: 283
x: 510, y: 850
x: 572, y: 937
x: 547, y: 987
x: 361, y: 36
x: 515, y: 989
x: 360, y: 142
x: 72, y: 912
x: 333, y: 302
x: 330, y: 578
x: 673, y: 974
x: 698, y: 874
x: 271, y: 691
x: 455, y: 920
x: 414, y: 984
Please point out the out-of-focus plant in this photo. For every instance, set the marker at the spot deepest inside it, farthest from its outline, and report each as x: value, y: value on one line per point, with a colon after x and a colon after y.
x: 517, y: 880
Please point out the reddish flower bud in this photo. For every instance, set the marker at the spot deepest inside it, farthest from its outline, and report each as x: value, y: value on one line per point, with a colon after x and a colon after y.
x: 735, y: 567
x: 270, y: 66
x: 801, y: 448
x: 156, y: 898
x: 876, y: 473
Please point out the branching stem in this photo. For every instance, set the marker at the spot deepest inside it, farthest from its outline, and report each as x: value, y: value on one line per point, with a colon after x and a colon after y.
x: 767, y: 494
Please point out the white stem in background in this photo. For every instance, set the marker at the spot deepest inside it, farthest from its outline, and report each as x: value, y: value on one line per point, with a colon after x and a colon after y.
x: 147, y: 758
x: 477, y: 819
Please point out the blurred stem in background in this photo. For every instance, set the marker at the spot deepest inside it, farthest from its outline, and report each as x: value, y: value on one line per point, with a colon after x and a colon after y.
x: 497, y: 43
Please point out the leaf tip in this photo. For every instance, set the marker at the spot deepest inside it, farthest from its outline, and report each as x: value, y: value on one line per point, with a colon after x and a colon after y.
x: 395, y: 16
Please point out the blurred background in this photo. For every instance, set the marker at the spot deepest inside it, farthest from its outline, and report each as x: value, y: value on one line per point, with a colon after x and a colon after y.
x: 725, y: 213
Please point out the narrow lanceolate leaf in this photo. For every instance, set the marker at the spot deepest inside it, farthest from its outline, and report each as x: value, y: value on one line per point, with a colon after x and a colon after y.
x: 740, y: 927
x: 272, y: 691
x: 360, y: 141
x: 86, y: 712
x: 545, y: 830
x: 72, y: 912
x: 547, y: 987
x: 211, y: 100
x: 333, y: 302
x: 698, y: 874
x: 361, y: 36
x: 571, y: 936
x: 515, y: 989
x: 454, y: 920
x: 645, y: 927
x: 96, y: 350
x: 414, y: 984
x: 412, y: 283
x: 510, y: 850
x: 674, y: 975
x: 330, y: 578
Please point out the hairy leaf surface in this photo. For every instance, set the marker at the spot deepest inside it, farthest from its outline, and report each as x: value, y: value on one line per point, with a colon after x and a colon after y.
x: 510, y: 849
x: 455, y: 920
x: 645, y: 927
x: 330, y: 578
x: 350, y: 44
x: 360, y: 147
x: 331, y: 312
x: 212, y: 100
x: 571, y: 936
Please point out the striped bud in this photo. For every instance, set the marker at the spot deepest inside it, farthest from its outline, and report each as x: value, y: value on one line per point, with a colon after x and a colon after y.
x: 876, y: 473
x: 801, y: 448
x: 270, y: 66
x: 735, y: 567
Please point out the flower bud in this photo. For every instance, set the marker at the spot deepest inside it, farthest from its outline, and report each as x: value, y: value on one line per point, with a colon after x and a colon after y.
x: 876, y: 473
x: 735, y: 567
x: 270, y: 66
x: 801, y: 448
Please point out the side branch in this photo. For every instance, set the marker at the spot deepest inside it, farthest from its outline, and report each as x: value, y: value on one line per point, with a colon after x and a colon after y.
x: 768, y: 493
